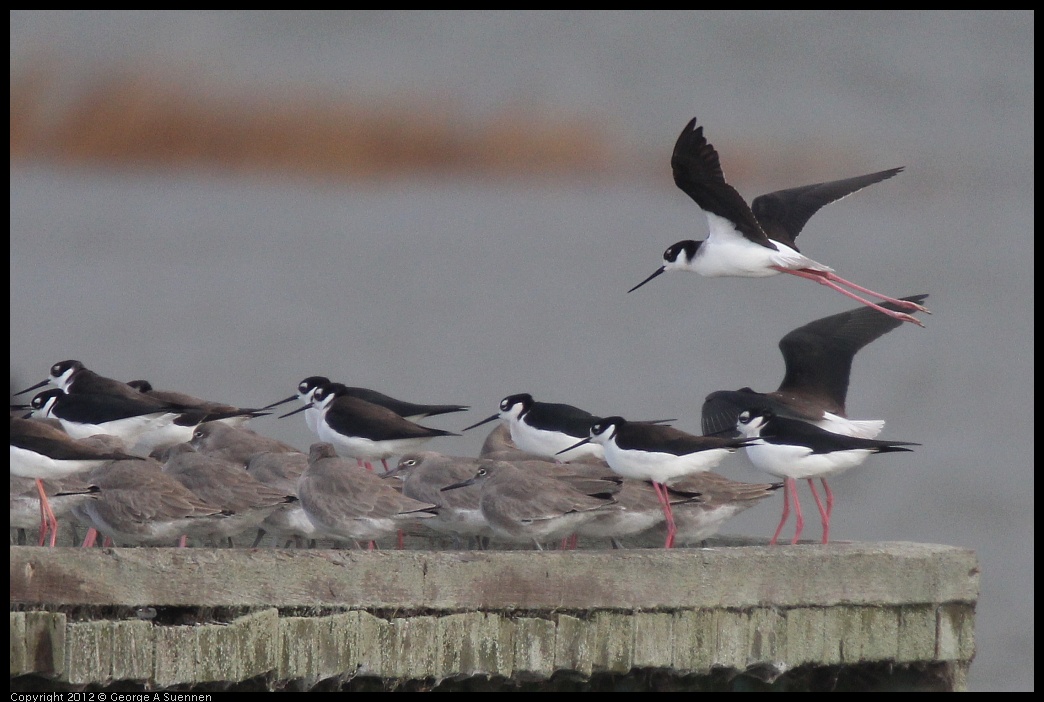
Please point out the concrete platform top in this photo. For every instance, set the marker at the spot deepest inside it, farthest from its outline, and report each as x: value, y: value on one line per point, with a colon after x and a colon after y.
x: 875, y: 574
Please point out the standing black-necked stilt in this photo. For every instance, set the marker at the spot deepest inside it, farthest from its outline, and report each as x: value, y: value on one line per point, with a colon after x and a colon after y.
x: 758, y: 240
x: 658, y: 453
x: 795, y: 450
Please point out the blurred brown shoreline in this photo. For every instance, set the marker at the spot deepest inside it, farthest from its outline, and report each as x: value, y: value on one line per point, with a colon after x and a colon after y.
x: 139, y: 119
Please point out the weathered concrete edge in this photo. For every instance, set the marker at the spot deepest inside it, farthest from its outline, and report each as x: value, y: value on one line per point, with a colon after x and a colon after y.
x: 878, y: 574
x: 524, y: 648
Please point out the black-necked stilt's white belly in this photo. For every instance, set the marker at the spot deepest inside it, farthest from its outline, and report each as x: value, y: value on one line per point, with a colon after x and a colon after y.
x: 27, y: 463
x: 799, y: 462
x: 727, y: 253
x: 661, y: 467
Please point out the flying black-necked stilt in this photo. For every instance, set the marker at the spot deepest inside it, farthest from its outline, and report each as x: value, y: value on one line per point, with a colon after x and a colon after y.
x: 818, y: 358
x: 346, y: 502
x: 758, y: 240
x: 531, y: 506
x: 793, y: 450
x: 363, y: 430
x: 546, y: 428
x: 658, y: 453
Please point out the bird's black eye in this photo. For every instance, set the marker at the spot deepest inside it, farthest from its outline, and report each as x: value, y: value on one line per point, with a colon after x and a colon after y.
x: 56, y: 369
x: 302, y: 388
x: 744, y: 416
x: 482, y: 471
x: 409, y: 462
x: 504, y: 406
x: 198, y: 434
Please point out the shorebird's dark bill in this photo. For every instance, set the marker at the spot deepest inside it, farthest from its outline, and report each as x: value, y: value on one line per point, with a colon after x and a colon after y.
x: 454, y: 486
x: 34, y: 387
x: 478, y: 424
x: 281, y: 402
x: 299, y: 409
x: 658, y: 271
x: 578, y: 443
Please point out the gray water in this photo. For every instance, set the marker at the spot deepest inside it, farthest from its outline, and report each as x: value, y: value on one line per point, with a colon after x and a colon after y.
x: 466, y: 291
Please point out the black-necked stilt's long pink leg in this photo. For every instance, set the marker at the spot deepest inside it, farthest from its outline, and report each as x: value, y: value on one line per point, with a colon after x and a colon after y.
x: 824, y: 515
x: 47, y: 519
x: 665, y: 502
x: 789, y: 486
x: 821, y: 278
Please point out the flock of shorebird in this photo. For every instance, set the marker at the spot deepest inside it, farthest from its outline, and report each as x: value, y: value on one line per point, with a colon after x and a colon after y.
x: 142, y: 466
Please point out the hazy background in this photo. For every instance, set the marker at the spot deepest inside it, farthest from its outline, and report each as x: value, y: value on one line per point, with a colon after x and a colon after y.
x: 451, y: 208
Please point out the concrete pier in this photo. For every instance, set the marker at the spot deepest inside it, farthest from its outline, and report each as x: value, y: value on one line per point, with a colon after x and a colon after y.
x: 842, y: 616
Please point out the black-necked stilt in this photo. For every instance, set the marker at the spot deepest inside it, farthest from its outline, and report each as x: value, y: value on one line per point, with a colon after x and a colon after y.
x: 139, y: 422
x: 795, y: 450
x: 410, y: 410
x: 658, y: 453
x: 363, y: 430
x: 818, y: 358
x: 530, y: 506
x: 346, y: 502
x: 546, y: 428
x: 757, y: 241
